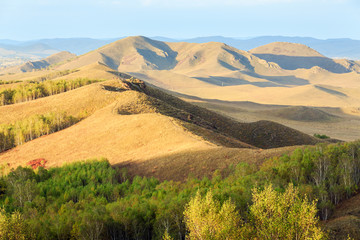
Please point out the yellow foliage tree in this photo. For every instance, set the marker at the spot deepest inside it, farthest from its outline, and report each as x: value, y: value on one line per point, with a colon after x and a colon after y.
x: 285, y: 215
x: 12, y: 227
x: 166, y: 236
x: 206, y: 218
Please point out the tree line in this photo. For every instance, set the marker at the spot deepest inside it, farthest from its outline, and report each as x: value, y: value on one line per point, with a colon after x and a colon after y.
x: 8, y: 82
x: 37, y: 89
x: 15, y: 134
x: 281, y: 199
x: 272, y: 215
x: 329, y: 173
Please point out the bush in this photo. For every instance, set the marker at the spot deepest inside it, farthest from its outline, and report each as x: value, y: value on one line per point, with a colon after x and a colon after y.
x: 321, y: 136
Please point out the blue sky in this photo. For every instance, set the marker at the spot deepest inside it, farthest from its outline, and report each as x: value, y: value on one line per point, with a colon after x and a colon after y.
x: 34, y: 19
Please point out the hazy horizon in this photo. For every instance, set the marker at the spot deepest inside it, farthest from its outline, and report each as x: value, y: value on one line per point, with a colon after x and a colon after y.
x: 43, y: 19
x: 172, y: 38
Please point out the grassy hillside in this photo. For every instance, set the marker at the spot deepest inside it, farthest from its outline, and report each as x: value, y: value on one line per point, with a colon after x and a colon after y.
x: 263, y: 134
x: 302, y: 114
x: 148, y: 128
x: 88, y: 98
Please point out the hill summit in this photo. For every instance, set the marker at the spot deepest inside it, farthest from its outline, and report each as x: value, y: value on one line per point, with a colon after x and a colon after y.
x: 287, y: 49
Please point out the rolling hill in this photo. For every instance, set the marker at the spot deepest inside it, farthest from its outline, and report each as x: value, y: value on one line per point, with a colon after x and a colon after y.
x: 218, y: 71
x: 41, y: 64
x: 334, y: 48
x: 140, y: 126
x: 292, y: 56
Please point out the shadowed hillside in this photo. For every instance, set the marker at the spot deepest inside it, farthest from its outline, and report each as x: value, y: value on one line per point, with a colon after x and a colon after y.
x: 263, y: 134
x: 302, y: 114
x: 346, y: 219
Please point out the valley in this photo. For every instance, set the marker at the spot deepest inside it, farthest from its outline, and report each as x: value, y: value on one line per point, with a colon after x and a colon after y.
x: 177, y: 115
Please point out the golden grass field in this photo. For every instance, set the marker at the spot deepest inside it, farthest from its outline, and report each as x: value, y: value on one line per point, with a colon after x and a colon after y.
x: 140, y: 137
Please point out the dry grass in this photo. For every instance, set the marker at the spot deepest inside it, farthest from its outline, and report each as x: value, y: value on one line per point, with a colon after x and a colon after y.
x: 106, y: 134
x: 263, y: 134
x: 199, y: 163
x: 92, y: 71
x: 300, y: 113
x: 334, y: 122
x: 345, y: 220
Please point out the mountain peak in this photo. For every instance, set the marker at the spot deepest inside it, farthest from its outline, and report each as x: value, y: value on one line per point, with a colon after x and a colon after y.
x: 287, y: 49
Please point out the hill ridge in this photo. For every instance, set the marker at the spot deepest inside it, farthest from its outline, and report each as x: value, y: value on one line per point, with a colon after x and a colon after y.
x: 287, y: 48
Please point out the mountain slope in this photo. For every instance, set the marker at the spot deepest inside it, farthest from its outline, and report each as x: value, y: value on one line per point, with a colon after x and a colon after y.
x: 334, y: 48
x: 299, y: 113
x: 293, y: 56
x: 41, y: 64
x: 136, y: 54
x: 263, y: 134
x: 287, y: 49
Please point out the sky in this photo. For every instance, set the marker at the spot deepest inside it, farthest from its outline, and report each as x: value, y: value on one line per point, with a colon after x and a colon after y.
x: 37, y: 19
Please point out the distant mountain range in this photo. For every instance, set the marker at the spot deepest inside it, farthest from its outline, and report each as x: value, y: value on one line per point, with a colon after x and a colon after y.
x: 334, y: 48
x: 43, y: 46
x: 13, y: 53
x: 36, y: 49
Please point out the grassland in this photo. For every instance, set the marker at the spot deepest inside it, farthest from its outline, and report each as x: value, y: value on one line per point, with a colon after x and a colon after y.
x: 146, y: 129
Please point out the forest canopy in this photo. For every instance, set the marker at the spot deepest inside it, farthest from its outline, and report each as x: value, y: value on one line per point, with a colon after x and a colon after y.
x: 93, y: 200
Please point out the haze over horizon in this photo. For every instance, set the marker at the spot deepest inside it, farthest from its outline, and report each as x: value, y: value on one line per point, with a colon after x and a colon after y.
x: 24, y: 20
